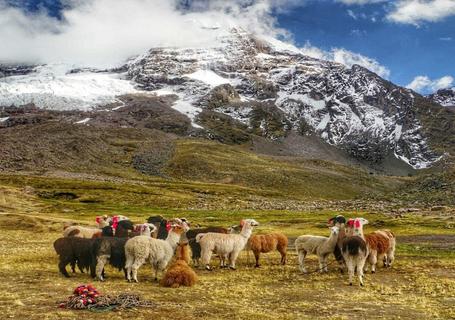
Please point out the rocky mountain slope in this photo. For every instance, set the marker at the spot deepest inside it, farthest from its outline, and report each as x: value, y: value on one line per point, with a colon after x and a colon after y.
x: 242, y: 90
x: 444, y: 97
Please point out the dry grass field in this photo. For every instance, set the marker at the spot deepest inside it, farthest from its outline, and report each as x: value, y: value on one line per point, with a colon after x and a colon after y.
x: 421, y: 284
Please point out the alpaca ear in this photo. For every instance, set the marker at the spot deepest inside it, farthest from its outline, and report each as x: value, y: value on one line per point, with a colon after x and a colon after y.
x: 357, y: 223
x: 242, y: 223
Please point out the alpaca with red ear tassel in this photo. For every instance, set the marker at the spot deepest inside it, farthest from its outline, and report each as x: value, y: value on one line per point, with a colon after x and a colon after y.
x: 180, y: 273
x: 354, y: 248
x: 157, y: 252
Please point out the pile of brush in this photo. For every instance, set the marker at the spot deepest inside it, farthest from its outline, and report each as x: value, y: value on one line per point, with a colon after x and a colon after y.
x: 87, y: 297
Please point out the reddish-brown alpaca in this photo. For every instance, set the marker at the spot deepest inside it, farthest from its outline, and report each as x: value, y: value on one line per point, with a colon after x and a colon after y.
x: 180, y: 273
x: 265, y: 243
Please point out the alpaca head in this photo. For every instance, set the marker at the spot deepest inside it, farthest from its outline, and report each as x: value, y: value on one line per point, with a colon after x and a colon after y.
x: 334, y: 230
x: 145, y: 228
x: 355, y: 226
x: 360, y: 222
x: 249, y: 222
x: 339, y: 219
x: 234, y: 229
x: 102, y: 221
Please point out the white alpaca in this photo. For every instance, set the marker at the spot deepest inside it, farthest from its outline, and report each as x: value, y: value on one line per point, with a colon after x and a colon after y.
x: 157, y: 252
x: 228, y: 246
x: 321, y: 246
x: 354, y: 248
x: 82, y: 232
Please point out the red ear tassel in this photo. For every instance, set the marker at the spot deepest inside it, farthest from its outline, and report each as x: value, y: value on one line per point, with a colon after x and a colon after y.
x: 168, y: 226
x: 357, y: 223
x: 98, y: 219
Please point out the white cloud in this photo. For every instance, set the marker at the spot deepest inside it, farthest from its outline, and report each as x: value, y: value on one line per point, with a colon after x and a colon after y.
x: 425, y: 84
x: 104, y: 33
x: 445, y: 38
x: 417, y: 11
x: 347, y: 58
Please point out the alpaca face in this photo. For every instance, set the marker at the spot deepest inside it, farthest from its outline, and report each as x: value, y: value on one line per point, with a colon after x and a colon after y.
x: 250, y: 222
x: 335, y: 230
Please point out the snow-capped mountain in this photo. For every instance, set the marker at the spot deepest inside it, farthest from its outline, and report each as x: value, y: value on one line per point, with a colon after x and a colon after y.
x: 445, y: 97
x: 264, y: 85
x: 352, y: 108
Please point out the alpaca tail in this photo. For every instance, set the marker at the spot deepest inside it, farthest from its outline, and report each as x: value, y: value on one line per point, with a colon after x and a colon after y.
x: 199, y: 237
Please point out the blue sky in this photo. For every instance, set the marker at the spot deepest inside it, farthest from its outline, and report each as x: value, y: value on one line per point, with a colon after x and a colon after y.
x: 413, y: 41
x: 406, y: 50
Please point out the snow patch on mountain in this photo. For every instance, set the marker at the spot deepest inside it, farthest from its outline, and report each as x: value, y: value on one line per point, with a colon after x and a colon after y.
x: 445, y: 97
x: 54, y: 87
x: 208, y: 76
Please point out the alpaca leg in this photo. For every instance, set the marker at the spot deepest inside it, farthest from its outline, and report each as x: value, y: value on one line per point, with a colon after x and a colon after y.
x: 325, y: 263
x: 136, y: 265
x: 225, y: 260
x: 361, y: 264
x: 100, y: 262
x: 206, y: 257
x: 351, y: 269
x: 232, y: 259
x: 390, y: 258
x: 283, y: 256
x: 373, y: 259
x: 128, y: 264
x: 321, y: 263
x: 302, y: 255
x: 256, y: 256
x: 62, y: 267
x: 73, y: 267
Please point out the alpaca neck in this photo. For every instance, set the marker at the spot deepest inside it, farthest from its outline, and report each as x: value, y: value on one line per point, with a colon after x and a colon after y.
x: 333, y: 239
x: 173, y: 239
x: 359, y: 232
x: 246, y: 232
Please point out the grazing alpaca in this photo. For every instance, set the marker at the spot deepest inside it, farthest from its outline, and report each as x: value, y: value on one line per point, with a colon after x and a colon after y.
x: 180, y: 273
x: 355, y: 249
x: 228, y: 246
x: 321, y: 246
x: 266, y: 243
x: 72, y: 250
x: 82, y: 232
x: 157, y: 252
x: 381, y: 247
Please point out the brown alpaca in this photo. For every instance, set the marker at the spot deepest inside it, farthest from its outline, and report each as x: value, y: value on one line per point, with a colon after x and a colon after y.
x: 379, y: 244
x: 180, y: 273
x: 265, y: 243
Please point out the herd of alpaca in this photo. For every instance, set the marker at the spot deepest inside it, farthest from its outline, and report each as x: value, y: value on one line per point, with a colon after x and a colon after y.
x: 127, y: 246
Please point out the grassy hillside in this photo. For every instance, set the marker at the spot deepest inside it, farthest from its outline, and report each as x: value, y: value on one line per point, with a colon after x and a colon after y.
x: 421, y: 284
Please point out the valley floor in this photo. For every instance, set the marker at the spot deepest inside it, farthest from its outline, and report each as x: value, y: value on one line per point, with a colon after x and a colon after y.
x: 421, y: 284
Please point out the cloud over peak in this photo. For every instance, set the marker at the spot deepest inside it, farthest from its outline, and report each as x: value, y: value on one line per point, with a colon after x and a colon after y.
x: 104, y: 33
x: 424, y: 84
